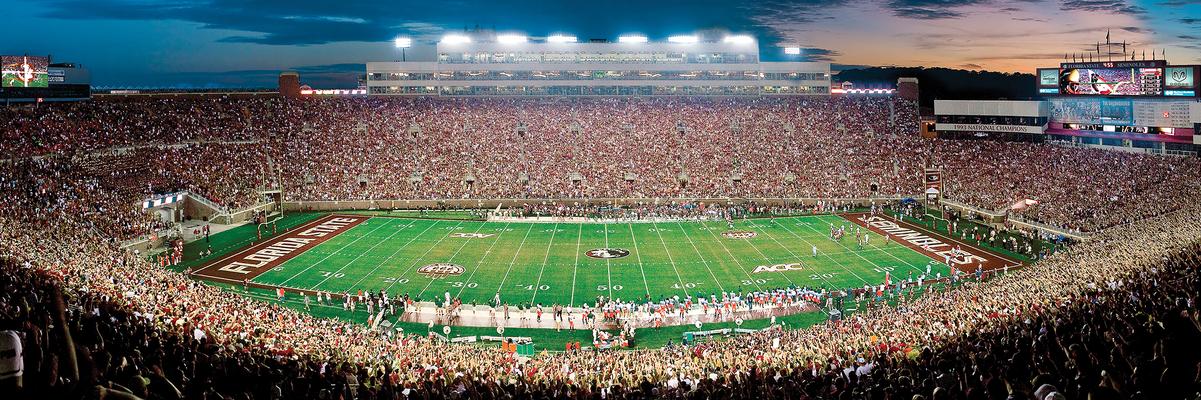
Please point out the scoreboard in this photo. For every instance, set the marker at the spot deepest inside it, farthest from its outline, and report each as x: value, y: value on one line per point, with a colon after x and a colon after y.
x: 1119, y: 79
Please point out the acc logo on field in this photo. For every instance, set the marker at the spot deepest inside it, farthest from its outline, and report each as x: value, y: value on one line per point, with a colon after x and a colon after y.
x: 441, y: 270
x: 471, y: 235
x: 739, y: 234
x: 607, y: 253
x: 778, y: 268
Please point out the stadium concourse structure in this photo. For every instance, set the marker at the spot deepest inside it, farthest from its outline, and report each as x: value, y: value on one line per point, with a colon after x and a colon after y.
x: 515, y: 65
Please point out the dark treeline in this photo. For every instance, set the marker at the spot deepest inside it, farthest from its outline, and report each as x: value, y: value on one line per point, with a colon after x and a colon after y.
x: 947, y: 84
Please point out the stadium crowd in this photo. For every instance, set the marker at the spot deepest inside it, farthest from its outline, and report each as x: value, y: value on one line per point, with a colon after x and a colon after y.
x: 85, y: 319
x: 127, y: 328
x: 423, y: 148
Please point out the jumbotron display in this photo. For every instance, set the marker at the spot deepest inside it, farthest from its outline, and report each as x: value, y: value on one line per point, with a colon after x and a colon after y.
x: 1111, y: 81
x: 25, y: 71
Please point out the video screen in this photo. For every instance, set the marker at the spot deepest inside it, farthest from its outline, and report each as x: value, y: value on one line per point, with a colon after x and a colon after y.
x: 25, y: 71
x: 1111, y: 81
x: 1096, y: 111
x: 1048, y: 77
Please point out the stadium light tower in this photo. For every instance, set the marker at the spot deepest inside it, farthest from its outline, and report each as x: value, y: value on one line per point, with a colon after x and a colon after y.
x: 511, y: 39
x: 455, y: 39
x: 560, y: 38
x: 738, y: 39
x: 631, y: 39
x: 792, y: 51
x: 403, y: 43
x: 683, y: 39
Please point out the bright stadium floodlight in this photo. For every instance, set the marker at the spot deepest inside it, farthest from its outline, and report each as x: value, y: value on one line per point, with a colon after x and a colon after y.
x: 683, y: 39
x: 511, y: 39
x: 403, y: 42
x: 792, y: 51
x: 455, y: 39
x: 631, y: 39
x: 738, y: 39
x: 557, y: 38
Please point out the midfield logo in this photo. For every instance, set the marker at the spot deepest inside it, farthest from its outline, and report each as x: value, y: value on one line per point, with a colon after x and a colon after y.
x: 607, y: 253
x: 739, y: 234
x: 441, y: 270
x: 778, y: 268
x: 470, y: 235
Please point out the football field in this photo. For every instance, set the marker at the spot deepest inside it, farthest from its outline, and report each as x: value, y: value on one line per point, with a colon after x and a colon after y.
x: 573, y: 263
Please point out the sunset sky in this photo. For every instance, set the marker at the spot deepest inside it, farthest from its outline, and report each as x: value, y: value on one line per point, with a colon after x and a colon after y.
x: 224, y: 43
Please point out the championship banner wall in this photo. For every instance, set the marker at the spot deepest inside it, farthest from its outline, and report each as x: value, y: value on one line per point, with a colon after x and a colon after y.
x: 990, y: 128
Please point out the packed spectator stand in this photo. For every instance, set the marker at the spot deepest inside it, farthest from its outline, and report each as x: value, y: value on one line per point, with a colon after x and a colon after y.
x: 1113, y: 317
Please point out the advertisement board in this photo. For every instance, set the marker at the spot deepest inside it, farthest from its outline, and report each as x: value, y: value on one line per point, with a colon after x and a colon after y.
x: 1179, y: 77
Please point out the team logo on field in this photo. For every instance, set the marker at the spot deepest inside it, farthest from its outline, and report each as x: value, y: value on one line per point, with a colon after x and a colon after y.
x: 471, y: 235
x: 441, y: 270
x: 778, y: 268
x: 739, y: 234
x: 607, y: 253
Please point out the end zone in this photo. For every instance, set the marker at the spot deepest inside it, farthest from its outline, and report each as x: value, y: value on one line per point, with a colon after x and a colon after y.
x: 936, y: 246
x: 248, y: 263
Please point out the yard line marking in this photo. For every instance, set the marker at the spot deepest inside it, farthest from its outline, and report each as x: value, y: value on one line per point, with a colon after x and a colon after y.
x: 608, y: 263
x: 327, y: 256
x: 844, y: 267
x: 672, y: 260
x: 575, y: 268
x: 736, y: 261
x: 865, y: 258
x: 545, y: 260
x: 790, y: 252
x: 514, y: 260
x: 394, y: 253
x: 352, y: 261
x: 473, y: 270
x: 703, y: 260
x: 427, y: 252
x: 638, y: 255
x: 948, y: 237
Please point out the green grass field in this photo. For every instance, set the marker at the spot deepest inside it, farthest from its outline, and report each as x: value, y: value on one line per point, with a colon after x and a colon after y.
x: 547, y: 263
